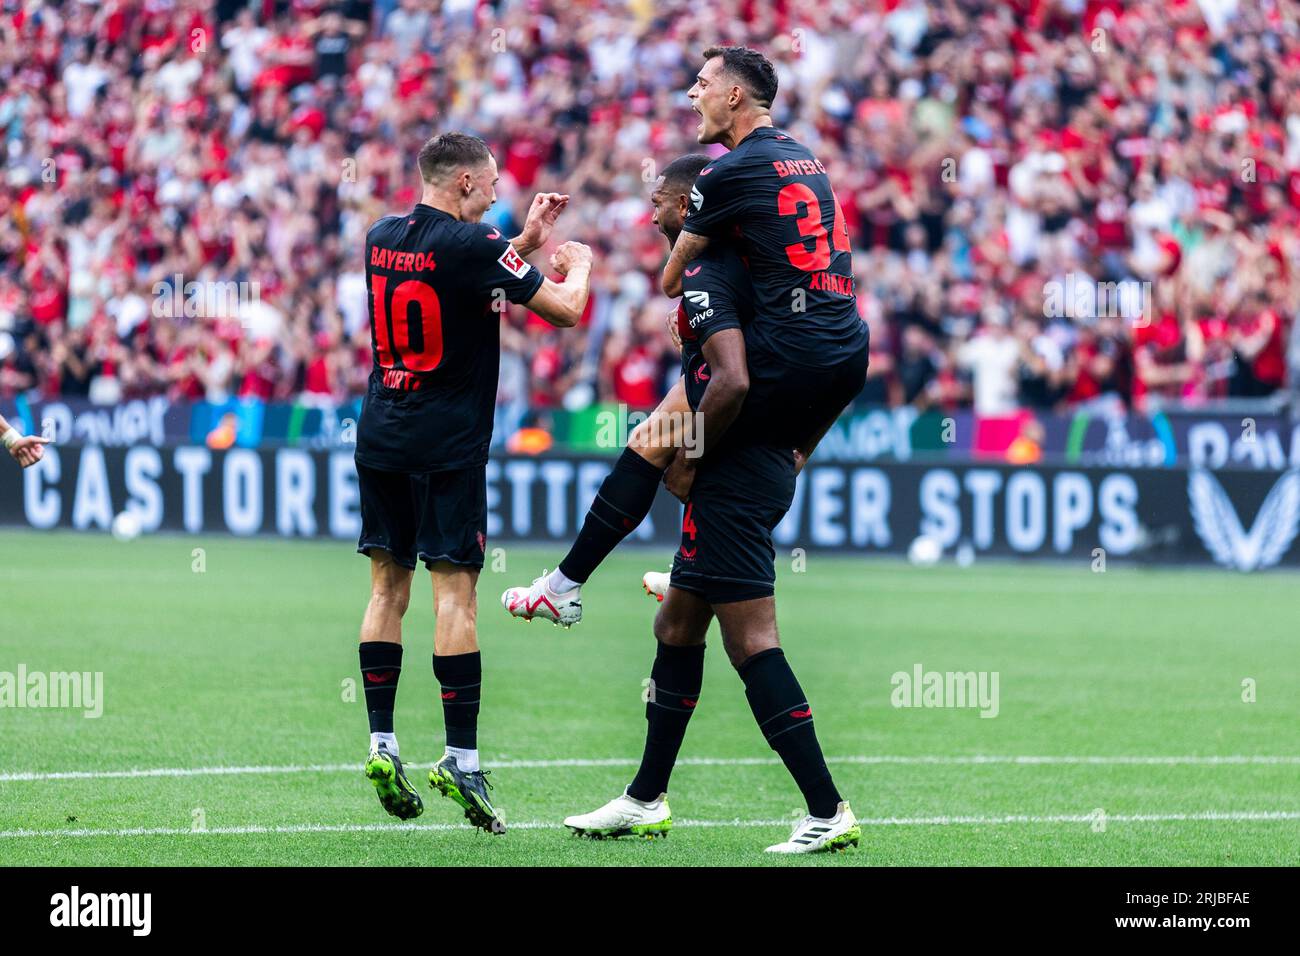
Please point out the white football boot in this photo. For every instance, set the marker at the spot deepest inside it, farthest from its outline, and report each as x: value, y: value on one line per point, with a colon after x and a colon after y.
x: 539, y: 601
x: 624, y: 816
x: 814, y: 835
x: 656, y: 584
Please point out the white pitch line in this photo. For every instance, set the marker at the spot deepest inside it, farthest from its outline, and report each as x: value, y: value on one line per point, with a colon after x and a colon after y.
x: 1228, y: 816
x: 940, y: 760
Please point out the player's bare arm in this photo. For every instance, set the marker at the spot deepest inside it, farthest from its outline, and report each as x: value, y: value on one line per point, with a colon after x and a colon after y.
x: 562, y: 303
x: 27, y: 450
x: 728, y: 386
x: 687, y: 247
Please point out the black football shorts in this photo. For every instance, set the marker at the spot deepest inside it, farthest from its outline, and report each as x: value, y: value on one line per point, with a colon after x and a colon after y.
x: 434, y: 516
x: 738, y: 497
x: 787, y: 403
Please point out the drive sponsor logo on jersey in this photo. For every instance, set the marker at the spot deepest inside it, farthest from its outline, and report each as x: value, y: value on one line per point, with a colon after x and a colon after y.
x: 513, y: 263
x: 700, y: 301
x: 1221, y: 531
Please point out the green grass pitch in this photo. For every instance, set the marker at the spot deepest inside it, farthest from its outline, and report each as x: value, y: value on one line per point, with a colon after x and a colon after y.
x: 246, y: 664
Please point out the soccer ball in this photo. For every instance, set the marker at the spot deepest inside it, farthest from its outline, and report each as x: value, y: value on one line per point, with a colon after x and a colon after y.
x: 126, y: 526
x: 924, y: 551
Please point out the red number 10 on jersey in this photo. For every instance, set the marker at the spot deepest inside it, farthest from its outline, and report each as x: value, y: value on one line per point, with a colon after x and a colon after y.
x: 417, y: 324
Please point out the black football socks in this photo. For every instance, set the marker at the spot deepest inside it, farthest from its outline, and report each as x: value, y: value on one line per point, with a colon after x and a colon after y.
x: 623, y: 501
x: 784, y: 717
x: 672, y: 694
x: 459, y: 679
x: 381, y: 665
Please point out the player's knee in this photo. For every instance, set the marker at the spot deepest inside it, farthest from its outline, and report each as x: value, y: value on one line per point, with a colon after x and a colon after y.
x: 639, y: 439
x: 660, y: 456
x: 456, y: 596
x: 649, y: 441
x: 459, y: 605
x: 655, y: 439
x: 390, y: 597
x: 675, y: 631
x: 741, y: 647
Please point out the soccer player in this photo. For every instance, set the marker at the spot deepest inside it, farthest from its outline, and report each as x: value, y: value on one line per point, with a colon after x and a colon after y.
x: 807, y: 358
x: 27, y: 450
x: 438, y: 280
x: 625, y: 496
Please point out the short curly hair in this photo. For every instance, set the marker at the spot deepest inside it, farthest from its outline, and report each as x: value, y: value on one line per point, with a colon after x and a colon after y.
x: 680, y: 174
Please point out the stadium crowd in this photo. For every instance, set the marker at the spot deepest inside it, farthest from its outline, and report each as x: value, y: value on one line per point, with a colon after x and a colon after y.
x: 1003, y: 166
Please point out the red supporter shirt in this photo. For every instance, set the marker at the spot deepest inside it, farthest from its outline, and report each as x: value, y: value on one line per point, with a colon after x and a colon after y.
x: 545, y: 372
x: 1163, y: 343
x: 1269, y: 365
x: 47, y: 302
x: 636, y: 378
x: 317, y: 381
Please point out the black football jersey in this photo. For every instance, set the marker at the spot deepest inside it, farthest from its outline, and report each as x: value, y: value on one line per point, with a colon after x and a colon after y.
x: 716, y: 295
x: 437, y: 289
x: 773, y: 199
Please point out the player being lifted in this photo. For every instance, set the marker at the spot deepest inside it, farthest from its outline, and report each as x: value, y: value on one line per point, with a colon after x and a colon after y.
x: 627, y: 493
x: 806, y: 350
x: 437, y: 278
x: 625, y: 496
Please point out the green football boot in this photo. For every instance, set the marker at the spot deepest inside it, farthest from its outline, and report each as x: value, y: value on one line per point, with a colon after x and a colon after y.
x: 470, y: 791
x: 396, y: 795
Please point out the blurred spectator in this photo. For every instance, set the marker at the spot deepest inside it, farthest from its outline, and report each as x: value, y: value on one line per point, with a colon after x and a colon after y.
x: 991, y: 357
x: 983, y: 152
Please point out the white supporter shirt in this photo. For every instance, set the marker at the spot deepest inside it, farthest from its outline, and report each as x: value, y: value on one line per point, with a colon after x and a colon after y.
x: 992, y: 360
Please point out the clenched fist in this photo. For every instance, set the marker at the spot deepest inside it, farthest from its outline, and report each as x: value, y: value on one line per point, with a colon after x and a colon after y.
x: 569, y: 255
